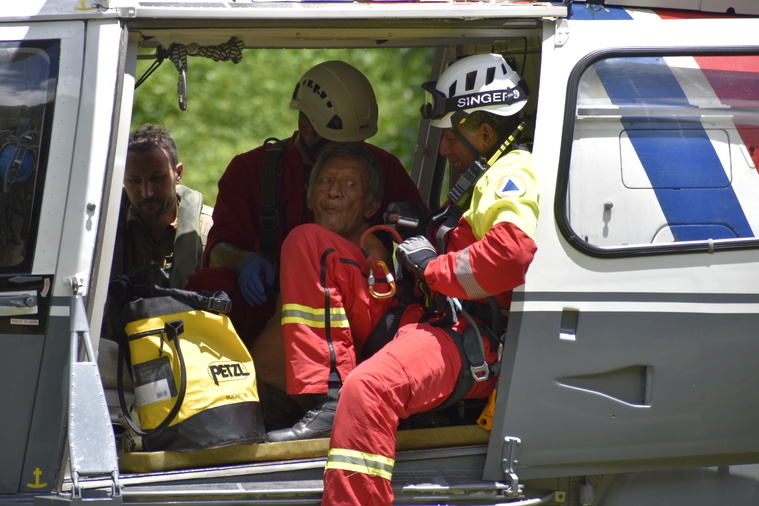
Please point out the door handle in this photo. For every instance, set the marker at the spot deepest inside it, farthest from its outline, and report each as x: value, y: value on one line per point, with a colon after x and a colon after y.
x: 18, y: 303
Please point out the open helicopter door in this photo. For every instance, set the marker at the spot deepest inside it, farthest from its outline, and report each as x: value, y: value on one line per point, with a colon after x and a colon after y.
x: 56, y: 148
x: 39, y: 65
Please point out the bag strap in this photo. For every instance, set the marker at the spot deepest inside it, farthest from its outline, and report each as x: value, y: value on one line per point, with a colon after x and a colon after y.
x: 218, y: 302
x: 172, y: 331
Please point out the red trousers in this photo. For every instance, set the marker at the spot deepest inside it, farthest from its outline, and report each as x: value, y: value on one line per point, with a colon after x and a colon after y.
x: 327, y: 315
x: 415, y: 372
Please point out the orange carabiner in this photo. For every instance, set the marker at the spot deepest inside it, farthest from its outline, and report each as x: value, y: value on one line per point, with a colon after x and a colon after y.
x: 372, y: 261
x: 388, y: 276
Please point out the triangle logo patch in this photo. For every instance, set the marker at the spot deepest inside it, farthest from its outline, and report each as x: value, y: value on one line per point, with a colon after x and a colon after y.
x: 511, y: 186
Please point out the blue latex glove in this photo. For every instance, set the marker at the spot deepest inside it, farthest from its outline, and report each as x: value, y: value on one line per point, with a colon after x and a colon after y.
x: 253, y: 272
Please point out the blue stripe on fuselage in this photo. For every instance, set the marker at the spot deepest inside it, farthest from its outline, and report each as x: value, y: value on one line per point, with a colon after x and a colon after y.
x: 677, y: 155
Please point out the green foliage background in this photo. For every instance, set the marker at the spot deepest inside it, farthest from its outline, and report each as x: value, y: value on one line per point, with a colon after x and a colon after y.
x: 233, y: 108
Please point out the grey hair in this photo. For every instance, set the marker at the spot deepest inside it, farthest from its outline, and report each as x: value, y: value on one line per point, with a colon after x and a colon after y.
x: 355, y: 151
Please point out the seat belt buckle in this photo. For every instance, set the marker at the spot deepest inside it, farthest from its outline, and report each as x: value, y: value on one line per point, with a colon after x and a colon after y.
x: 480, y: 372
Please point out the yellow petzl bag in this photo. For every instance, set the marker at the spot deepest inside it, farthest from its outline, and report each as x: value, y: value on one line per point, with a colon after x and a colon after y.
x: 194, y: 379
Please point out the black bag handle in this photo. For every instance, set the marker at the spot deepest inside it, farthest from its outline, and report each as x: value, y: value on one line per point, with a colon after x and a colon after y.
x: 172, y: 330
x: 216, y: 302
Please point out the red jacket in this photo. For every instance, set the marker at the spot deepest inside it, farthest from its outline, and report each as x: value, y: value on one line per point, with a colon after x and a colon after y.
x: 325, y: 274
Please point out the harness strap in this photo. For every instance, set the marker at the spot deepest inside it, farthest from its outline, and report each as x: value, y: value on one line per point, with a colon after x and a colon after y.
x: 387, y: 326
x: 494, y: 321
x: 274, y: 151
x: 475, y: 350
x: 465, y: 381
x: 452, y: 218
x: 469, y: 351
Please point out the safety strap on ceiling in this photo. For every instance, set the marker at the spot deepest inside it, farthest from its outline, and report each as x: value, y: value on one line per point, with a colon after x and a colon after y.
x: 228, y: 51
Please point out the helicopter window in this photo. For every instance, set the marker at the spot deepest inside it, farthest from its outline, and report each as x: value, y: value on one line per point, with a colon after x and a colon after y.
x: 663, y: 152
x: 28, y: 73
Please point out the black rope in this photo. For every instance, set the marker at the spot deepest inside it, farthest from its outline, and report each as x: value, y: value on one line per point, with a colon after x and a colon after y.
x: 160, y: 55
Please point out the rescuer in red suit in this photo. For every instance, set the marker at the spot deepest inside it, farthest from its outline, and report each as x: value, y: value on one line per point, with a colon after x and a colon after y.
x: 483, y: 256
x: 321, y: 262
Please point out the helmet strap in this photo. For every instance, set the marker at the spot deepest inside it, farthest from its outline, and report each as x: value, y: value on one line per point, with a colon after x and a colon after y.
x: 463, y: 140
x: 312, y: 151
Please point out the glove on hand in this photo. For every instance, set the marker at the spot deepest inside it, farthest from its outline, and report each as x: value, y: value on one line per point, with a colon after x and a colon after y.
x: 405, y: 217
x: 446, y: 308
x: 252, y: 270
x: 415, y: 253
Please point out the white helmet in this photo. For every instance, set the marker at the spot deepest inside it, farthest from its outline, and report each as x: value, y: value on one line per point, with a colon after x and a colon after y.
x: 482, y: 82
x: 338, y: 100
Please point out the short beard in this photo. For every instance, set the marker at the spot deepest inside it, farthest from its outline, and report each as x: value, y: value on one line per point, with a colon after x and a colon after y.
x: 147, y: 217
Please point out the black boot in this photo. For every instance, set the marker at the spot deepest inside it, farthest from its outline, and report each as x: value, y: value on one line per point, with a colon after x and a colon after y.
x: 316, y: 423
